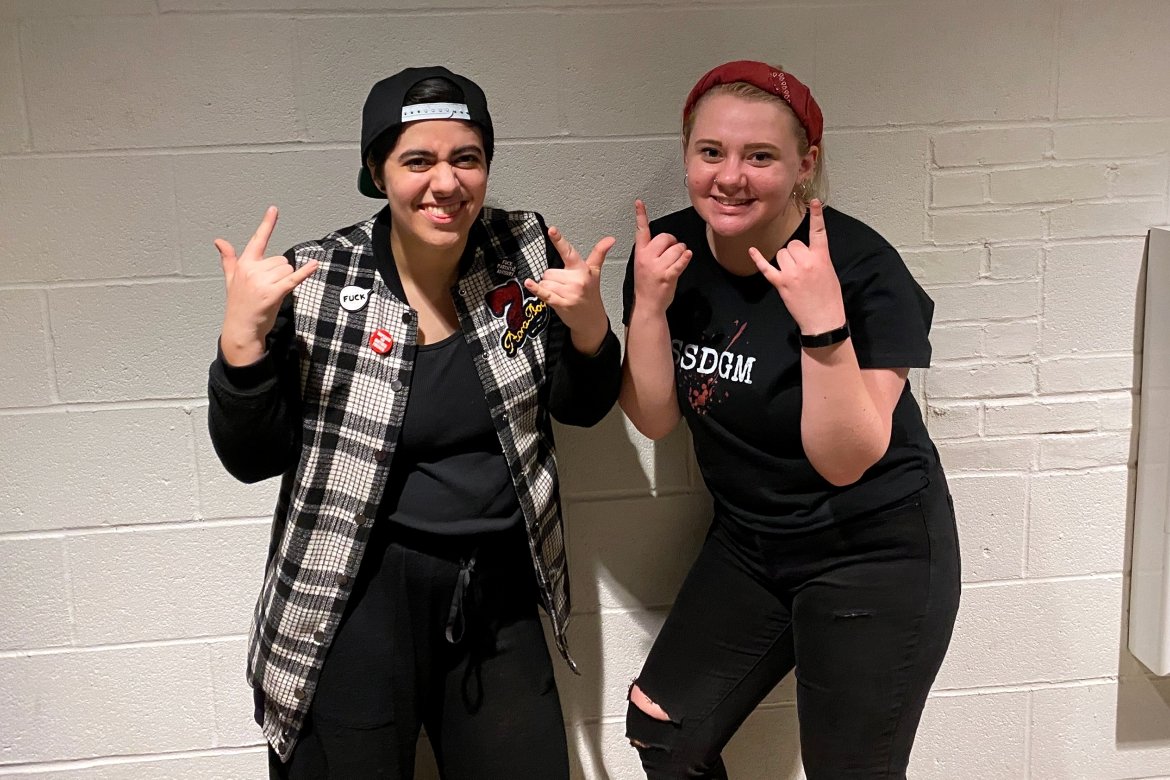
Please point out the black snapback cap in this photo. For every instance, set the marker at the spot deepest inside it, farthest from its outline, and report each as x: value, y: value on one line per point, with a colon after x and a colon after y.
x: 384, y: 111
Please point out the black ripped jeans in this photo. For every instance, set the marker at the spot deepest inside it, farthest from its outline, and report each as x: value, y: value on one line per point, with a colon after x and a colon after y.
x: 862, y: 611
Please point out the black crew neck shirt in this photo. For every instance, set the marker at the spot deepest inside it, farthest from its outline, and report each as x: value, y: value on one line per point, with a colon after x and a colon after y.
x: 738, y: 377
x: 449, y: 475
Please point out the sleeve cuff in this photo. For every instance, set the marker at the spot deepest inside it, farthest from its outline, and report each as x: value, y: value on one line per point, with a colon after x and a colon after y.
x: 916, y: 359
x: 610, y: 346
x: 244, y: 380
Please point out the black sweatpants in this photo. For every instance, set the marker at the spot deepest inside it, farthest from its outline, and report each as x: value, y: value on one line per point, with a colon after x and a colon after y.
x: 862, y: 611
x: 488, y: 702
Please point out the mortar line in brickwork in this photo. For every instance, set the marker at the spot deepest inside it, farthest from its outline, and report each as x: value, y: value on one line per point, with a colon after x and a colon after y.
x: 1050, y: 580
x: 993, y: 398
x: 50, y: 348
x: 985, y: 473
x: 1026, y: 546
x: 1048, y: 242
x: 1054, y: 71
x: 106, y: 406
x: 196, y: 475
x: 649, y: 607
x: 304, y: 146
x: 1066, y: 397
x: 1040, y: 685
x: 610, y: 9
x: 23, y: 86
x: 599, y: 496
x: 1045, y: 165
x: 1029, y: 708
x: 947, y: 693
x: 1105, y: 353
x: 126, y: 281
x: 145, y: 644
x: 293, y: 146
x: 137, y: 528
x: 34, y: 768
x: 161, y: 151
x: 1025, y: 206
x: 70, y: 606
x: 982, y: 360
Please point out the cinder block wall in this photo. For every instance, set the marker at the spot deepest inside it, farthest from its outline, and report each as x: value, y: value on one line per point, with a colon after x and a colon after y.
x: 1015, y: 152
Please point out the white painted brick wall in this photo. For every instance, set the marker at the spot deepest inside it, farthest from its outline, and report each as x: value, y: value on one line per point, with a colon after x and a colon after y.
x: 1014, y: 152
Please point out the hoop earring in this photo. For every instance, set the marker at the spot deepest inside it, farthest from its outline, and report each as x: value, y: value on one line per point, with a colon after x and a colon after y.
x: 685, y: 182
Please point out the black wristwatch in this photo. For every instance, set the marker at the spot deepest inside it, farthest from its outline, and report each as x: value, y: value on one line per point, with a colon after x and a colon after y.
x: 826, y: 339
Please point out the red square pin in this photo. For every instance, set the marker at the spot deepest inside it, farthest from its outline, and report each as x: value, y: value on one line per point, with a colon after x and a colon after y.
x: 381, y: 341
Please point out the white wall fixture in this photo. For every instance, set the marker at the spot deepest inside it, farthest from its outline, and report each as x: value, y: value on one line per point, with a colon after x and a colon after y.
x: 1149, y: 612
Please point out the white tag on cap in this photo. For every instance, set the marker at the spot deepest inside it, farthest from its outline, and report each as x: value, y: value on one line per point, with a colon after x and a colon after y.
x: 435, y: 111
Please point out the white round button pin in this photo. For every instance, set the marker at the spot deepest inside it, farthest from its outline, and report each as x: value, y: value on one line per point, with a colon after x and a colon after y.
x: 354, y: 298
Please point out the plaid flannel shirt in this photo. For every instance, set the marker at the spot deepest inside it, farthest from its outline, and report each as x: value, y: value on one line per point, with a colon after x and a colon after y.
x: 338, y: 428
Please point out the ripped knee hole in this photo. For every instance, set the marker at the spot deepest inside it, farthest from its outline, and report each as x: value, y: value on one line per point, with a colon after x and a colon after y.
x: 643, y: 702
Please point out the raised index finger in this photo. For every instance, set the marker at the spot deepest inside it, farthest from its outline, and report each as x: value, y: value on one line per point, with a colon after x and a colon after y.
x: 258, y: 243
x: 818, y: 238
x: 568, y: 254
x: 641, y: 224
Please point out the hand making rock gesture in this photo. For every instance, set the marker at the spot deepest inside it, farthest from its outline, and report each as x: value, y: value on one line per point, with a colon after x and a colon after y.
x: 574, y: 291
x: 256, y: 285
x: 658, y: 263
x: 806, y: 279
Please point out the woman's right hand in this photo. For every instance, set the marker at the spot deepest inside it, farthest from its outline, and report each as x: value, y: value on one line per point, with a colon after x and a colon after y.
x: 658, y: 263
x: 256, y: 286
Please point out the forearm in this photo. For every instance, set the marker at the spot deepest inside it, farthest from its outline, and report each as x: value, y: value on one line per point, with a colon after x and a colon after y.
x: 648, y: 393
x: 588, y: 340
x: 842, y: 427
x: 240, y: 347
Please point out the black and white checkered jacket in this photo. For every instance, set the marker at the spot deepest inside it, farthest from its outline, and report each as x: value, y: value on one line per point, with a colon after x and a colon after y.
x: 324, y: 408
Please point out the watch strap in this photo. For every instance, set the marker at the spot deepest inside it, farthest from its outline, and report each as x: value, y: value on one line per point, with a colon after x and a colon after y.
x: 826, y: 339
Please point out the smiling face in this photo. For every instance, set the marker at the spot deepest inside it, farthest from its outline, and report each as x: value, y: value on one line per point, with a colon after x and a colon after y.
x: 435, y: 180
x: 743, y: 161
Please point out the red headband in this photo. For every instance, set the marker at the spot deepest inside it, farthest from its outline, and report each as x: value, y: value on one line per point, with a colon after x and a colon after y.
x: 772, y: 80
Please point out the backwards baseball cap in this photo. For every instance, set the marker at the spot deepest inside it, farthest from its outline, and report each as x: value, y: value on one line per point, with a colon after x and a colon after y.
x: 384, y: 112
x: 770, y: 79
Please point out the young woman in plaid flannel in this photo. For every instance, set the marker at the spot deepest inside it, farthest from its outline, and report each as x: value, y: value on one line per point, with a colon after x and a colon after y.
x: 783, y: 330
x: 400, y: 376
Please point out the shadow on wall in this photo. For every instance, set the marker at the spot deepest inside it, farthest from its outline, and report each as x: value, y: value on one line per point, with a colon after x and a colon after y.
x: 1143, y: 698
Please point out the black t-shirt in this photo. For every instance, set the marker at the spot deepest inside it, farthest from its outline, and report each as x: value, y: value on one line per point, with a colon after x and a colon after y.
x: 738, y: 377
x: 449, y: 474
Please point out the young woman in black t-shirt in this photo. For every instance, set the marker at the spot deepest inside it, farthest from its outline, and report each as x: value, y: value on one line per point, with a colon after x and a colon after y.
x: 783, y: 331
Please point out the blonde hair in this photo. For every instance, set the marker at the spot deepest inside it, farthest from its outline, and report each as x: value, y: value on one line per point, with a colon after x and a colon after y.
x: 817, y: 185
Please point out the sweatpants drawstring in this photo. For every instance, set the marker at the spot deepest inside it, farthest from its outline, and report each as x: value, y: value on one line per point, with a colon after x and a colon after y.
x: 456, y: 622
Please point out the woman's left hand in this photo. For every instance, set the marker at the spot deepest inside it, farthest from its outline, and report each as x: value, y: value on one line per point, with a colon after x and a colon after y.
x: 806, y: 279
x: 574, y: 292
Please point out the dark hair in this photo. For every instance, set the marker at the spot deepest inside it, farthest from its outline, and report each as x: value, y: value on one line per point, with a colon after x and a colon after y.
x: 433, y: 90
